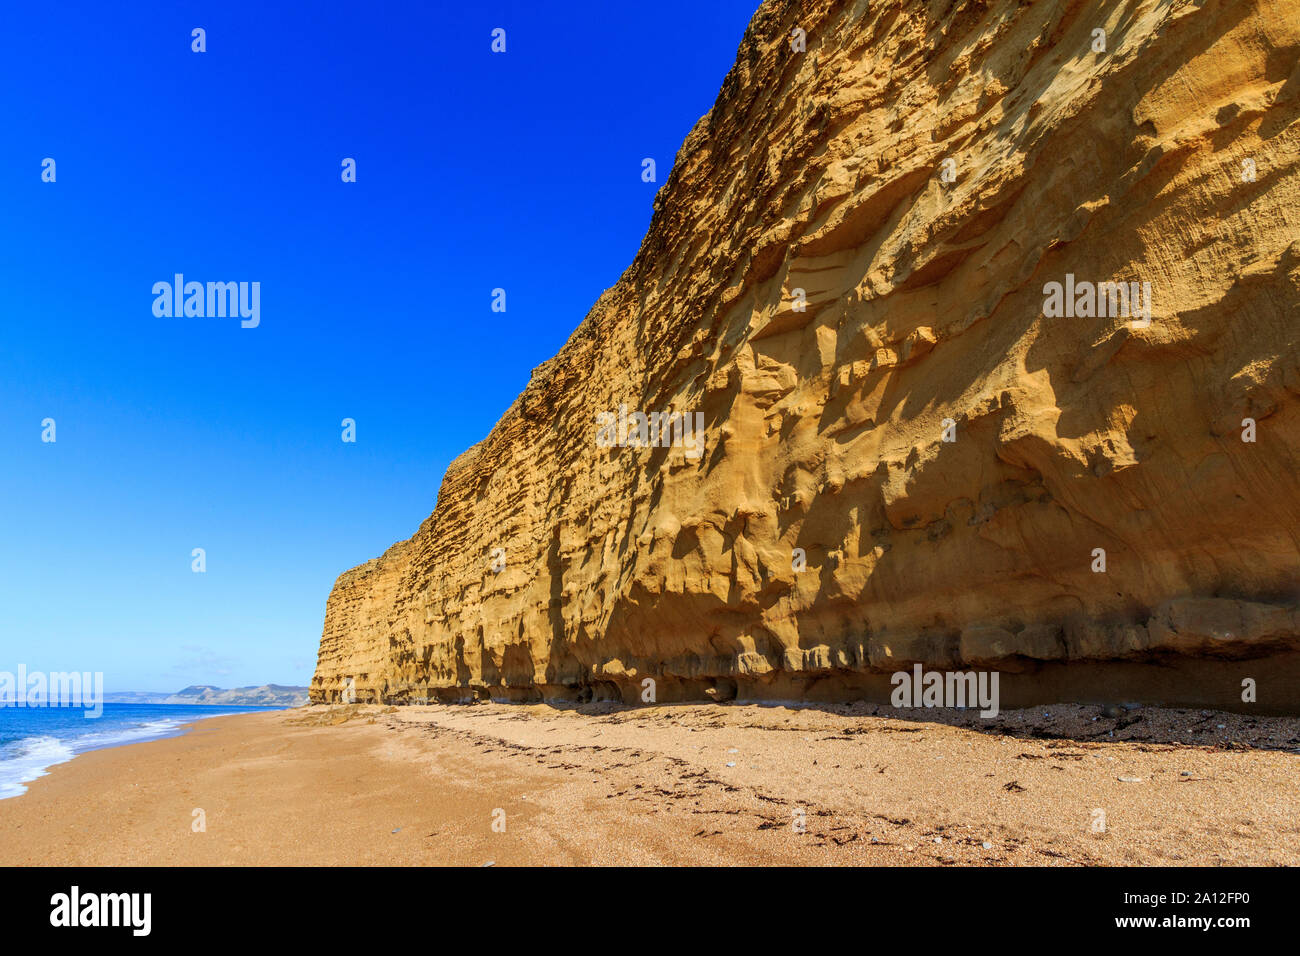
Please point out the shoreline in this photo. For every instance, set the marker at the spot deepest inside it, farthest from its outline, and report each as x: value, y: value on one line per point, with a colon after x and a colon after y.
x: 59, y: 750
x: 683, y: 784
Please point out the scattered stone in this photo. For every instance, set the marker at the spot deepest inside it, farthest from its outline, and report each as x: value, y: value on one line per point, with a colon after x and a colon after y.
x: 987, y: 845
x: 1129, y: 779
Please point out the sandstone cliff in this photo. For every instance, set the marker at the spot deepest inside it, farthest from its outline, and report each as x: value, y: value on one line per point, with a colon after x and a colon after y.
x: 945, y: 449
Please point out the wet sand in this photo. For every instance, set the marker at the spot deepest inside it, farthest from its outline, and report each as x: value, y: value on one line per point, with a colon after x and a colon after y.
x: 697, y: 784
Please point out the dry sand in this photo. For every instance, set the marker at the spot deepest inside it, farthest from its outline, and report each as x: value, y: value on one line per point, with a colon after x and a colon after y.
x: 679, y: 784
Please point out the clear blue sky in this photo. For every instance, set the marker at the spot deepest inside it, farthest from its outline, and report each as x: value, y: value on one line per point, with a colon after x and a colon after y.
x: 474, y: 171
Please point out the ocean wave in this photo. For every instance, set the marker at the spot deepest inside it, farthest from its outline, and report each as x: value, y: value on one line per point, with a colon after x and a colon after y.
x: 128, y: 735
x: 22, y: 761
x: 26, y: 759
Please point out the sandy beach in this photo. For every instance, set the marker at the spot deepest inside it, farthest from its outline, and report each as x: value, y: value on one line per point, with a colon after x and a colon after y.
x: 676, y: 785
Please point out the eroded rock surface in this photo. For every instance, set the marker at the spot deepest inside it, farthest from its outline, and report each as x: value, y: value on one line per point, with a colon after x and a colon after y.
x: 1172, y: 158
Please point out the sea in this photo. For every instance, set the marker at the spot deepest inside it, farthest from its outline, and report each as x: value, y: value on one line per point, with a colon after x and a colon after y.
x: 33, y: 739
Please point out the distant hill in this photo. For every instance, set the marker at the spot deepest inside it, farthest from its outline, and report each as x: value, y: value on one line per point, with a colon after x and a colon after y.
x: 268, y: 695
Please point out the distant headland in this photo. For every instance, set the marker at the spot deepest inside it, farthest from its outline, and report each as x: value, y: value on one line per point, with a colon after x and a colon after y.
x: 268, y: 695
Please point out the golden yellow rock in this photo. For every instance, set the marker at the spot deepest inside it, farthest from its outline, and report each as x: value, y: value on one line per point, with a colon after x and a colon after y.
x: 989, y: 315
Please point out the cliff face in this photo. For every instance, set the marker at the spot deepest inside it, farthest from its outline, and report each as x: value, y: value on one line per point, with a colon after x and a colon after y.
x: 942, y: 436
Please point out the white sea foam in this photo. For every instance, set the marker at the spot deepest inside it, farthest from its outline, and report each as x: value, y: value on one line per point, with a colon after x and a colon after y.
x: 129, y: 735
x: 22, y: 761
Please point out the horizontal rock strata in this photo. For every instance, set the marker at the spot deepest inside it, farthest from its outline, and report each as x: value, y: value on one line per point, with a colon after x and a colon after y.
x: 910, y: 452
